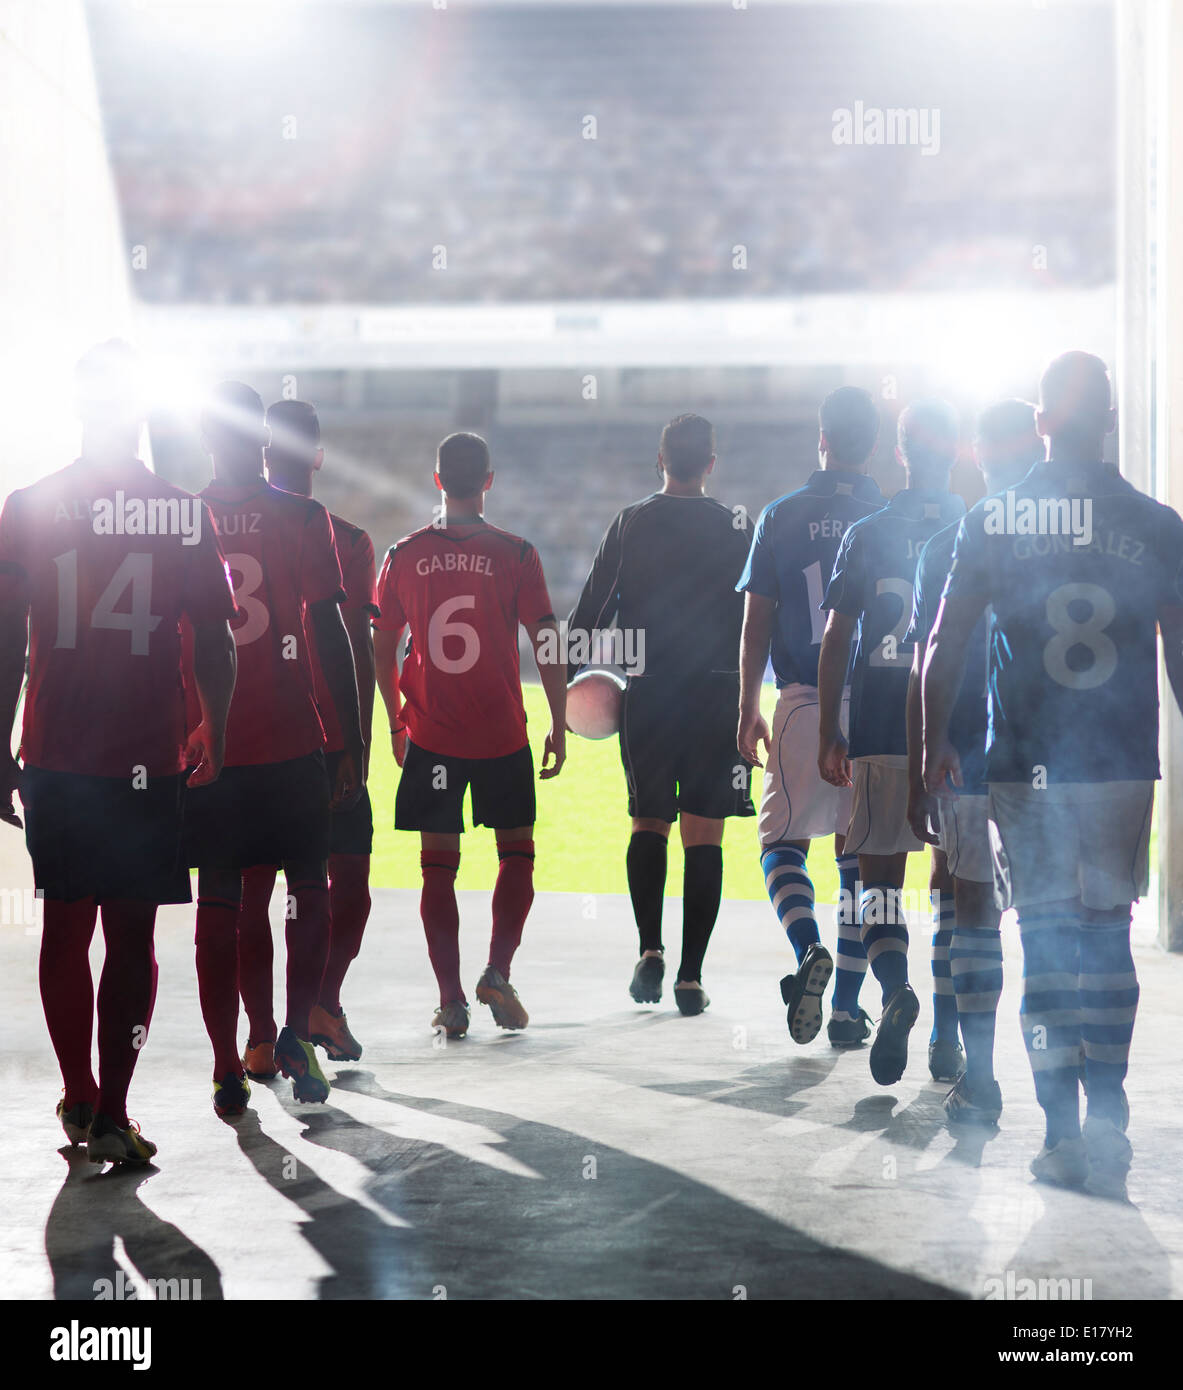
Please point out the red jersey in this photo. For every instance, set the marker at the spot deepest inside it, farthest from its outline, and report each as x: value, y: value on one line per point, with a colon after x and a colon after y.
x: 280, y: 550
x: 355, y: 555
x: 463, y: 590
x: 108, y: 559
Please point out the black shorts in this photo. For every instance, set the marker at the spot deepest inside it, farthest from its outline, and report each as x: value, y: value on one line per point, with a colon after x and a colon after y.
x: 352, y: 831
x: 430, y: 793
x: 677, y: 744
x: 103, y: 838
x: 263, y: 813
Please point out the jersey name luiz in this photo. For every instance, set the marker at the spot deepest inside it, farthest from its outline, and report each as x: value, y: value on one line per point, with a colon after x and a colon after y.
x: 455, y: 562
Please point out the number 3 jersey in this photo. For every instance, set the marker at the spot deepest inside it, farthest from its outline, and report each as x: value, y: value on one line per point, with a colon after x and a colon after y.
x: 463, y: 590
x: 109, y: 559
x: 1073, y: 655
x: 282, y: 557
x: 872, y: 581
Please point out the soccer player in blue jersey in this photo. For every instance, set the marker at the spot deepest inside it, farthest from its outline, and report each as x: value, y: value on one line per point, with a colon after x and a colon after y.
x: 792, y: 556
x: 871, y: 590
x: 1006, y: 448
x: 1080, y: 570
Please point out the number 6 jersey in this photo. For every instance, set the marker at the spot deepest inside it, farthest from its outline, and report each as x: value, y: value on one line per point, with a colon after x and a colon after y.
x: 109, y: 559
x: 463, y: 589
x: 1073, y: 656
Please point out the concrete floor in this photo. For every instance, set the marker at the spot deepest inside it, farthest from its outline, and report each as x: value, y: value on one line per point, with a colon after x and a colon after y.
x: 611, y: 1151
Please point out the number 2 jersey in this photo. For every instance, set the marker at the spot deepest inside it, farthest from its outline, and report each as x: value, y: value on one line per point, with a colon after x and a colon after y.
x: 282, y: 557
x: 106, y: 597
x: 463, y: 590
x: 1073, y: 656
x: 872, y: 581
x: 792, y: 556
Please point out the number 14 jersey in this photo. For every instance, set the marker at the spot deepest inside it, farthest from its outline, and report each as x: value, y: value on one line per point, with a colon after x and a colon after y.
x: 463, y: 589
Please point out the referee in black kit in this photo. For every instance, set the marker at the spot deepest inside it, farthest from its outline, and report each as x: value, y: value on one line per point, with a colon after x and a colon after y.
x: 666, y: 571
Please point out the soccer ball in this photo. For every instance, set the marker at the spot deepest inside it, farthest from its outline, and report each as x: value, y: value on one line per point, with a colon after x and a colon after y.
x: 593, y: 704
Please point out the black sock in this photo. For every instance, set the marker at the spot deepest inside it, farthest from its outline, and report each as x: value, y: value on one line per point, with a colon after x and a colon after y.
x: 701, y: 893
x: 645, y: 865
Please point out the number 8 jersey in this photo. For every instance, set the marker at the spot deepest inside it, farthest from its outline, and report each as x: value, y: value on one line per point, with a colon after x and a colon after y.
x: 463, y: 590
x: 1073, y: 657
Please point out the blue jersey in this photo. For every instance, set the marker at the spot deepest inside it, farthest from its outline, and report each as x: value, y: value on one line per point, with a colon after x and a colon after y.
x: 1073, y: 656
x: 792, y: 554
x: 967, y: 723
x: 872, y: 581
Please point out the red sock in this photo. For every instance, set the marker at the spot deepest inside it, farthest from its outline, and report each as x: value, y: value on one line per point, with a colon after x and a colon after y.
x: 256, y: 955
x: 441, y: 919
x: 127, y: 996
x: 67, y: 992
x: 217, y: 980
x: 349, y: 908
x: 512, y: 896
x: 308, y: 948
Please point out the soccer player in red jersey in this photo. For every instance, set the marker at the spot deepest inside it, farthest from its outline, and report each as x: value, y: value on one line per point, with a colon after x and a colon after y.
x: 272, y: 802
x: 463, y: 587
x: 98, y: 563
x: 292, y: 457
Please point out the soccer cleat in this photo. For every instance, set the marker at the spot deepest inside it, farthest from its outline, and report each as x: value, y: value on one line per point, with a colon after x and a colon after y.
x: 690, y: 998
x: 296, y: 1058
x: 1109, y: 1155
x: 647, y: 978
x: 803, y: 992
x: 452, y: 1018
x: 1066, y: 1164
x: 76, y: 1121
x: 331, y: 1031
x: 849, y: 1032
x: 889, y: 1051
x: 980, y: 1105
x: 231, y: 1095
x: 258, y: 1061
x: 946, y: 1060
x: 496, y: 991
x: 107, y: 1143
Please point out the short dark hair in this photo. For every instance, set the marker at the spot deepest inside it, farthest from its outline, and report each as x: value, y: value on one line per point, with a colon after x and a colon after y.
x: 687, y: 447
x: 928, y: 433
x: 1006, y: 420
x: 849, y: 419
x: 234, y: 412
x: 295, y: 428
x: 1076, y: 394
x: 462, y: 463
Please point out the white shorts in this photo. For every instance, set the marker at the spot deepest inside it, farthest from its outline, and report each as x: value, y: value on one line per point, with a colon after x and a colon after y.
x: 879, y: 812
x: 797, y: 804
x: 965, y: 838
x: 1086, y: 840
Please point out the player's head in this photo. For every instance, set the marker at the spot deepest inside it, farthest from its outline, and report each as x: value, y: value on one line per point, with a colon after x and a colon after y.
x: 1006, y: 445
x: 687, y: 449
x: 926, y: 441
x: 848, y: 423
x: 462, y: 471
x: 1076, y: 405
x: 234, y: 425
x: 294, y: 453
x: 108, y: 387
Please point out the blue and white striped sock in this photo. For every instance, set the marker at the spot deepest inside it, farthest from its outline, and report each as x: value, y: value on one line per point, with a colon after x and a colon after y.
x: 884, y: 931
x: 851, y: 963
x: 1050, y: 1015
x: 790, y: 890
x: 944, y: 1001
x: 1108, y: 1004
x: 975, y: 961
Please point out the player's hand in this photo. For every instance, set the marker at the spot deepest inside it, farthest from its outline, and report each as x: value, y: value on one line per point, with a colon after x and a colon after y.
x: 555, y: 747
x: 398, y: 745
x: 921, y: 806
x: 942, y: 769
x: 205, y: 753
x: 753, y: 731
x: 10, y: 781
x: 348, y: 784
x: 833, y: 761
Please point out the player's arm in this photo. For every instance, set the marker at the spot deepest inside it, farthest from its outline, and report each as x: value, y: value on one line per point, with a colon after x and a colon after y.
x: 386, y: 640
x: 553, y: 675
x: 215, y: 669
x: 1170, y: 624
x: 336, y: 662
x: 833, y: 753
x: 921, y: 802
x: 758, y: 615
x: 596, y: 606
x: 14, y: 644
x: 361, y: 641
x: 944, y: 670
